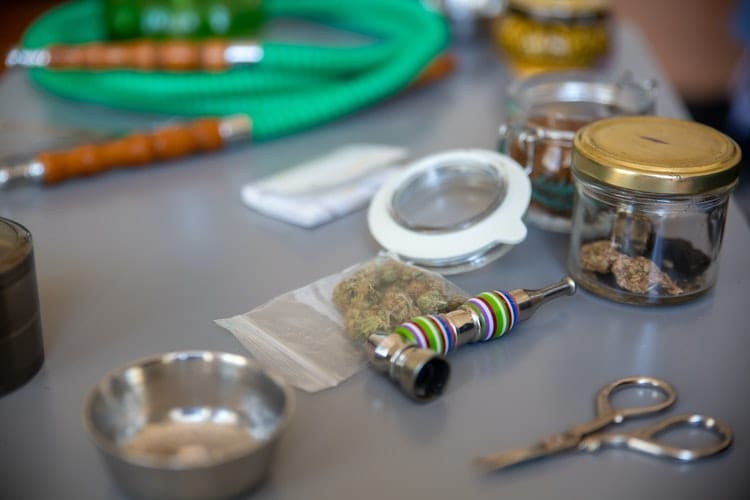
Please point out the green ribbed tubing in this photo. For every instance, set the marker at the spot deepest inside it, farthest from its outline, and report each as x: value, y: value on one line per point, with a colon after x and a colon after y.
x: 294, y: 87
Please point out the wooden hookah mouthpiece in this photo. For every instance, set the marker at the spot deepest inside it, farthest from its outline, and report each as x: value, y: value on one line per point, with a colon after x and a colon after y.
x: 136, y: 149
x: 140, y: 55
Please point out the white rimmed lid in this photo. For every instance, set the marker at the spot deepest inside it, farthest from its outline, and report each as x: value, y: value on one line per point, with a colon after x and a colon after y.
x: 452, y: 211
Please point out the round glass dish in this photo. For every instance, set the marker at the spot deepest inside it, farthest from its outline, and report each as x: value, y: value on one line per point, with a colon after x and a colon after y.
x: 544, y: 112
x: 545, y: 35
x: 652, y: 196
x: 452, y: 212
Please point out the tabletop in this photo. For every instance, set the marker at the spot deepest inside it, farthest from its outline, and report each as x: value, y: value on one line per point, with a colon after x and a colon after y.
x: 139, y: 262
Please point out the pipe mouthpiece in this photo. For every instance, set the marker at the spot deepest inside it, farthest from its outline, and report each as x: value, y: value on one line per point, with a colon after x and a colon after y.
x: 529, y: 301
x: 567, y: 286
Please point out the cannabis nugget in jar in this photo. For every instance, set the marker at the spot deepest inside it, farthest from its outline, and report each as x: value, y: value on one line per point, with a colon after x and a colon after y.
x: 651, y: 204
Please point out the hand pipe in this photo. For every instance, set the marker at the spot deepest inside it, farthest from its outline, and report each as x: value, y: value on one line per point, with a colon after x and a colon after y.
x: 413, y: 356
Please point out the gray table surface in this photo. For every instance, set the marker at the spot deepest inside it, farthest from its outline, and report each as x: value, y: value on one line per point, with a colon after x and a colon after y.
x: 135, y: 263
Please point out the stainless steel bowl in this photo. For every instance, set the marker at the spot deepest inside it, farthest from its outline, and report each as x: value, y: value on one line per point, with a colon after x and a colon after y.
x: 188, y: 425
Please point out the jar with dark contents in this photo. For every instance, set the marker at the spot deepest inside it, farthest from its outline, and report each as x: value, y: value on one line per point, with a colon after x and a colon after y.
x: 544, y: 35
x: 21, y: 349
x: 651, y: 204
x: 544, y: 112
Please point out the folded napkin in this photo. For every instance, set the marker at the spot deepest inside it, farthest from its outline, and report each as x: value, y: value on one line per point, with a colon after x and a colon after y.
x: 327, y: 187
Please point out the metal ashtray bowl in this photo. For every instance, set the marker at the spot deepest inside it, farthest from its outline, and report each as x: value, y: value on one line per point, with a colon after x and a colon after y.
x: 188, y: 425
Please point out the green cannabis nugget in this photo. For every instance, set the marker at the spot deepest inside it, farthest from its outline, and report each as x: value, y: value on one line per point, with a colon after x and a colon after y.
x: 382, y: 295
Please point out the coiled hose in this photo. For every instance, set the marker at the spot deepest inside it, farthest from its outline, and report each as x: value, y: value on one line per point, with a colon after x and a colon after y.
x: 293, y: 87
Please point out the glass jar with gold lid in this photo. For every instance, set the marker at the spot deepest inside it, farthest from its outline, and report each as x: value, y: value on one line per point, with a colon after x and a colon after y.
x: 650, y: 207
x: 543, y: 35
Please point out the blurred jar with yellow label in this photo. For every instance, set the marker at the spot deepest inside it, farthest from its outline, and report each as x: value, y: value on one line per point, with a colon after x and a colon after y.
x: 127, y: 19
x: 548, y: 35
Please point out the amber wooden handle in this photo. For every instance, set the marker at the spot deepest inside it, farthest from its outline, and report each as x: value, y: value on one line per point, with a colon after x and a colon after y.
x: 145, y: 55
x: 132, y: 150
x: 438, y: 68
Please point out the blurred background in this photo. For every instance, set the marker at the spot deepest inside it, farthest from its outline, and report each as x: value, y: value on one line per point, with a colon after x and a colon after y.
x: 698, y: 42
x: 703, y: 46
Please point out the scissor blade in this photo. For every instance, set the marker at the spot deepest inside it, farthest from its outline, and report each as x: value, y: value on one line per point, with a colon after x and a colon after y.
x: 549, y: 446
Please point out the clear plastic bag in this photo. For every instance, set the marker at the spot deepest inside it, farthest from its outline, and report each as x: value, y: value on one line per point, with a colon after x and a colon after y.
x: 312, y: 342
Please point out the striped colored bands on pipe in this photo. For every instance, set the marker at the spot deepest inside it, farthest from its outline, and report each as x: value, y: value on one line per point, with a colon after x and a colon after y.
x: 511, y: 306
x: 486, y: 319
x: 498, y: 313
x: 432, y: 332
x: 448, y: 331
x: 501, y: 312
x: 411, y: 333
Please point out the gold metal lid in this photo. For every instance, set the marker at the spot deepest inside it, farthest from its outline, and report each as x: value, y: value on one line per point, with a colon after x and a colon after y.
x: 561, y: 8
x: 656, y: 155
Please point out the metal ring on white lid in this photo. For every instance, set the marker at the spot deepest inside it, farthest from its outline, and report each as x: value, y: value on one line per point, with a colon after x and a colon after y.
x: 453, y: 211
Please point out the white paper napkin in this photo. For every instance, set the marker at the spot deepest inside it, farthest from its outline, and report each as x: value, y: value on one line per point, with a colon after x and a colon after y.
x: 327, y: 187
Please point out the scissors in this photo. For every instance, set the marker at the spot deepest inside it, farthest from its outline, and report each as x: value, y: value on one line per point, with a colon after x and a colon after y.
x: 585, y: 437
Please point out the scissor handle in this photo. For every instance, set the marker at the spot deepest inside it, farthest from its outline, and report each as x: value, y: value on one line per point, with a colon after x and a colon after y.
x: 605, y: 408
x: 646, y: 439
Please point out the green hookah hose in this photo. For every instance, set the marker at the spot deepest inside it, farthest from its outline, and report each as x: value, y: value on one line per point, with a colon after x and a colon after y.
x: 293, y: 87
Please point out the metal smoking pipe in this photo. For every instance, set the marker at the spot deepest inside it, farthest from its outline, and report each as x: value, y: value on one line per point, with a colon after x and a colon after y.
x: 413, y: 356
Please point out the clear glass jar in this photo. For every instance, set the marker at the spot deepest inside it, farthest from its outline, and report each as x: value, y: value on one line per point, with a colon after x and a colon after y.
x: 651, y: 204
x: 544, y: 35
x: 544, y: 112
